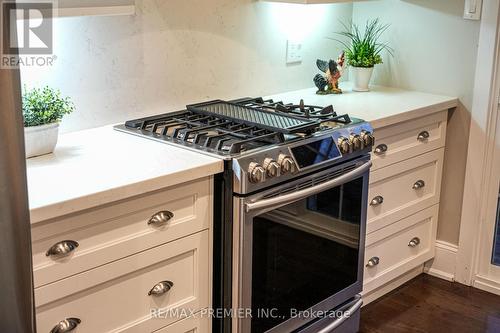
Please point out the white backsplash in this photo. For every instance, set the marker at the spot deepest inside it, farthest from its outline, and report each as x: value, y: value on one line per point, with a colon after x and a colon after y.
x: 172, y: 53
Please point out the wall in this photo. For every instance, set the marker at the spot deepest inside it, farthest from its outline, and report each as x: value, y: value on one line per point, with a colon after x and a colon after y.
x: 435, y: 51
x: 172, y: 53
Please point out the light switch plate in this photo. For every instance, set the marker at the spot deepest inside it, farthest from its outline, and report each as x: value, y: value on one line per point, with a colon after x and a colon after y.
x: 472, y: 10
x: 293, y: 52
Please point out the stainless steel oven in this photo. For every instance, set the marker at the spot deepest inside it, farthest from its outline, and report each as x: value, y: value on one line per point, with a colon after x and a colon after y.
x: 298, y: 252
x: 289, y: 210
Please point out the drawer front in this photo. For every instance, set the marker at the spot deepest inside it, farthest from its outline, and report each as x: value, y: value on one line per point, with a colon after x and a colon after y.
x: 196, y: 324
x: 407, y: 139
x: 114, y: 297
x: 400, y: 247
x: 404, y: 188
x: 119, y: 230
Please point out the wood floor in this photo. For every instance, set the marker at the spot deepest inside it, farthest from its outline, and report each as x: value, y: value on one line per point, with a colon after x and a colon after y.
x: 427, y: 304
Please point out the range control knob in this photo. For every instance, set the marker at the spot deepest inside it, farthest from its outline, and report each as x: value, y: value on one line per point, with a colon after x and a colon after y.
x: 367, y: 138
x: 256, y: 173
x: 272, y: 167
x: 356, y: 142
x: 344, y: 145
x: 287, y: 164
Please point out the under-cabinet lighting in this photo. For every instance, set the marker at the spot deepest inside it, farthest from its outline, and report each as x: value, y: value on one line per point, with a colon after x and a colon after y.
x: 297, y: 21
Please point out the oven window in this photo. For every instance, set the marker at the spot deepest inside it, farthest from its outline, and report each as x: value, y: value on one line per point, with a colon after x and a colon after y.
x: 304, y: 253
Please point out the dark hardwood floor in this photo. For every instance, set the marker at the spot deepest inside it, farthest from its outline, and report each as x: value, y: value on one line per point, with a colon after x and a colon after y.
x: 427, y: 304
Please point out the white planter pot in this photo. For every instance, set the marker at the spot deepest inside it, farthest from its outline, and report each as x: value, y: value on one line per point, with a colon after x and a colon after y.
x: 40, y: 140
x: 362, y: 77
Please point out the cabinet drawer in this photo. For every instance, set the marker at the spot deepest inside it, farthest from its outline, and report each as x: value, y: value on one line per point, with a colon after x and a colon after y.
x: 396, y: 255
x: 402, y: 140
x: 114, y: 297
x: 195, y: 324
x: 404, y: 188
x: 119, y: 230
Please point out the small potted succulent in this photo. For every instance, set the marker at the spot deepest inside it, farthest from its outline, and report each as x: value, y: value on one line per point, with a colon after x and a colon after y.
x: 43, y: 109
x: 363, y: 50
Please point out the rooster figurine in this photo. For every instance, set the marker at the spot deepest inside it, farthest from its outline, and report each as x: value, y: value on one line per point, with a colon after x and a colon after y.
x: 329, y: 84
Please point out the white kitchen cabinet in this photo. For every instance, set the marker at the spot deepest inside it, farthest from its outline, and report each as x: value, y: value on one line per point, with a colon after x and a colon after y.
x: 404, y: 195
x: 104, y: 283
x: 117, y: 296
x: 68, y: 8
x: 408, y: 139
x: 199, y: 323
x: 405, y: 188
x: 111, y: 232
x: 399, y: 248
x: 313, y: 1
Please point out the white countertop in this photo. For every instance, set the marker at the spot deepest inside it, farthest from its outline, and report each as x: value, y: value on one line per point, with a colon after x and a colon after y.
x: 98, y: 166
x: 382, y: 106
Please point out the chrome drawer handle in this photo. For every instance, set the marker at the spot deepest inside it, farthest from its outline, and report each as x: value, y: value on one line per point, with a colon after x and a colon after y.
x: 62, y: 249
x: 423, y: 136
x: 377, y: 201
x: 66, y: 325
x: 373, y: 262
x: 419, y: 184
x: 380, y: 149
x: 161, y: 288
x: 414, y: 242
x: 161, y: 217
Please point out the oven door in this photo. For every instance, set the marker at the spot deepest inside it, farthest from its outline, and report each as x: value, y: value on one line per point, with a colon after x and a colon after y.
x: 299, y: 247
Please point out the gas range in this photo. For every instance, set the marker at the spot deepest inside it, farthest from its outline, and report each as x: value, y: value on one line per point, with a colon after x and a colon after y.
x: 295, y: 177
x: 268, y: 141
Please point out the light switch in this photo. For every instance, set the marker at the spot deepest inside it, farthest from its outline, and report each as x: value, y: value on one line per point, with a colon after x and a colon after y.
x: 293, y: 52
x: 472, y: 10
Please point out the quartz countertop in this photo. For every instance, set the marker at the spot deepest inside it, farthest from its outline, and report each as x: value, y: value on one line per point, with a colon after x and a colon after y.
x: 94, y: 167
x: 382, y: 106
x: 98, y: 166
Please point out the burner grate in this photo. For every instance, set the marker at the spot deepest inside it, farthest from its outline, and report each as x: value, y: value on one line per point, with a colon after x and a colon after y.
x: 228, y: 128
x: 255, y: 117
x: 313, y: 112
x: 211, y: 133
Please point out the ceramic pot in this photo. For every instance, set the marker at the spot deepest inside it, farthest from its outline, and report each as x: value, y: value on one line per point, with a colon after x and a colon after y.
x: 40, y: 140
x: 362, y: 77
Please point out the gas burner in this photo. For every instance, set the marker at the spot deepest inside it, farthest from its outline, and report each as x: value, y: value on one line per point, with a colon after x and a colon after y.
x: 321, y: 114
x: 307, y: 111
x: 239, y: 126
x: 210, y: 133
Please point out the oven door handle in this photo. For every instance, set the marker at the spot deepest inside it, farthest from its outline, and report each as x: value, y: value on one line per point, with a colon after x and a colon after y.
x: 346, y: 314
x: 294, y: 196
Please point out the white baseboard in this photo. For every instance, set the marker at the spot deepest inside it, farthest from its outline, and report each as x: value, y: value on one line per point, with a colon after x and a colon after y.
x: 486, y: 284
x: 444, y: 262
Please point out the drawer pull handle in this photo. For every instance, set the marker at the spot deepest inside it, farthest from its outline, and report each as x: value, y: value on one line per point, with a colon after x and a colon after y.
x: 377, y: 201
x: 380, y: 149
x: 373, y: 262
x: 419, y: 184
x: 62, y: 249
x: 423, y: 136
x: 161, y: 217
x: 161, y: 288
x: 414, y: 242
x: 66, y: 325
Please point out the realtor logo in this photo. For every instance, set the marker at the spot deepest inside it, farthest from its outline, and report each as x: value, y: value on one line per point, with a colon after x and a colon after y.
x: 27, y: 33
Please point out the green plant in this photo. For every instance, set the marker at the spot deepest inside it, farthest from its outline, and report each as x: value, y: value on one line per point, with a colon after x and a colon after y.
x: 363, y: 48
x: 44, y: 106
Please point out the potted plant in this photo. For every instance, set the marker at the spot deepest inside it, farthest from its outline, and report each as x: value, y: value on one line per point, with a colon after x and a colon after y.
x: 363, y: 50
x: 43, y: 109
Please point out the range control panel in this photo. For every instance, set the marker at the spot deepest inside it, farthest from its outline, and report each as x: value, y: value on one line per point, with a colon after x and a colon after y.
x: 280, y: 163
